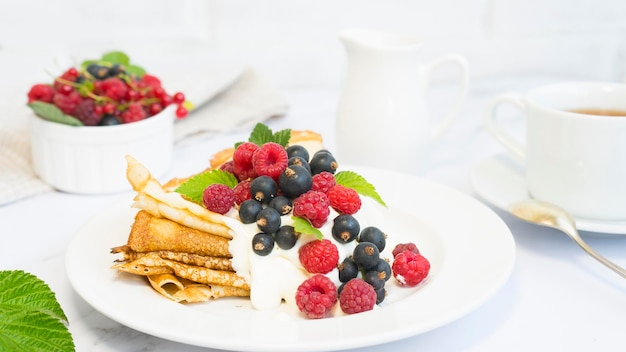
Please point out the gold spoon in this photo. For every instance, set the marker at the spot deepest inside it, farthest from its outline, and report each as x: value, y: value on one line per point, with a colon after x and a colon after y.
x: 550, y: 215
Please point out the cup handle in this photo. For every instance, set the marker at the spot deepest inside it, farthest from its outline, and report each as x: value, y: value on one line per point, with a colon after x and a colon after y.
x: 439, y: 129
x: 515, y: 148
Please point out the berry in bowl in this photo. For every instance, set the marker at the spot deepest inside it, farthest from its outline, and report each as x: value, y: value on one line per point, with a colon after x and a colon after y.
x: 89, y: 118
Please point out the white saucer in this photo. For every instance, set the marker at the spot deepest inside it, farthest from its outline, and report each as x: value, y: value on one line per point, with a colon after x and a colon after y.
x: 500, y: 181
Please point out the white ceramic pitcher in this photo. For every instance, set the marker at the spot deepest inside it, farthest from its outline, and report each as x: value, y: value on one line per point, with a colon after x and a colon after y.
x: 382, y: 119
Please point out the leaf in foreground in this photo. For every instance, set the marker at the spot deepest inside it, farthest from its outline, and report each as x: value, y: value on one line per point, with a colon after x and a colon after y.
x: 31, y: 319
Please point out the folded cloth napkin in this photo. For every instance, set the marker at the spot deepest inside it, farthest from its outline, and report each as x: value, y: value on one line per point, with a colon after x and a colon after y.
x: 17, y: 177
x: 229, y: 102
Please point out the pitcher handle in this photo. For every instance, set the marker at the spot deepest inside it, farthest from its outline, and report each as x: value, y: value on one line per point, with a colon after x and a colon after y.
x: 439, y: 129
x: 514, y: 147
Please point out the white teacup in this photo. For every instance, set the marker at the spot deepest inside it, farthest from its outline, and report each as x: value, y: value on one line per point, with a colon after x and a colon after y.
x: 574, y: 153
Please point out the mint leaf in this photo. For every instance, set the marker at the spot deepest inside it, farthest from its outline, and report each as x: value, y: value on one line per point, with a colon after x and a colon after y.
x: 52, y: 113
x: 31, y: 319
x: 282, y: 137
x: 357, y: 182
x: 192, y: 188
x: 135, y: 70
x: 262, y: 134
x: 303, y: 226
x: 116, y: 57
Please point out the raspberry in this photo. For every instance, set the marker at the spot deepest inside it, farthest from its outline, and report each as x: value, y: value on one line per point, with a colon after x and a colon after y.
x: 323, y: 181
x: 67, y: 103
x: 410, y: 268
x: 270, y: 160
x: 242, y: 161
x: 344, y: 200
x: 316, y: 296
x: 319, y: 256
x: 218, y: 198
x: 134, y: 113
x: 40, y: 92
x: 242, y: 191
x: 401, y: 247
x: 87, y: 112
x: 113, y: 88
x: 228, y: 167
x: 150, y: 81
x: 357, y: 296
x: 313, y: 206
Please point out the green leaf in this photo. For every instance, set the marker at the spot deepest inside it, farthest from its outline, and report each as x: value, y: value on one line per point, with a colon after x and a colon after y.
x: 192, y: 188
x: 52, y: 113
x: 303, y: 226
x: 282, y: 137
x: 31, y: 319
x: 116, y: 57
x: 262, y: 134
x: 357, y: 182
x: 135, y: 70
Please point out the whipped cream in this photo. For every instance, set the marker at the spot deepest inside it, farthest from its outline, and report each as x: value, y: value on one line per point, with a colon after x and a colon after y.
x: 274, y: 278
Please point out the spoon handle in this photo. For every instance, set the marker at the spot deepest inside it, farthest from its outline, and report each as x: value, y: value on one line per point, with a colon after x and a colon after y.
x: 616, y: 268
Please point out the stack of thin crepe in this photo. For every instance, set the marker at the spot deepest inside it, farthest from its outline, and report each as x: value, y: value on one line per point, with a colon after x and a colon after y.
x: 181, y: 247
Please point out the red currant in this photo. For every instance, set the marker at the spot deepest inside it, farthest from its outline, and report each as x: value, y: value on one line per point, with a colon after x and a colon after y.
x: 181, y: 112
x: 66, y: 89
x: 155, y: 108
x: 178, y: 98
x: 108, y: 108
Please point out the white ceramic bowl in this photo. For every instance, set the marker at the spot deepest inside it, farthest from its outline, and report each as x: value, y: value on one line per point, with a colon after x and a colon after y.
x: 91, y: 159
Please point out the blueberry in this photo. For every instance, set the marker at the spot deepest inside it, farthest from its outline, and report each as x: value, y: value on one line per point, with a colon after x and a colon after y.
x: 286, y: 237
x: 282, y: 204
x: 262, y: 244
x: 294, y: 181
x: 374, y: 235
x: 109, y: 120
x: 298, y: 150
x: 263, y: 189
x: 248, y: 210
x: 372, y: 278
x: 298, y: 160
x: 323, y: 160
x: 345, y: 228
x: 347, y: 269
x: 383, y: 268
x: 268, y: 220
x: 366, y: 255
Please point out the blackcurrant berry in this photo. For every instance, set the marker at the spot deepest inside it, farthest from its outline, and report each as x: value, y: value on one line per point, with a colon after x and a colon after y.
x: 298, y: 160
x: 366, y: 255
x: 345, y: 228
x: 109, y: 120
x: 323, y: 161
x: 98, y: 72
x: 248, y: 210
x: 381, y: 293
x: 282, y: 204
x: 294, y: 181
x: 263, y: 189
x: 383, y: 268
x: 374, y: 235
x: 298, y: 150
x: 262, y: 244
x: 268, y: 220
x: 347, y: 269
x: 372, y: 278
x: 286, y: 237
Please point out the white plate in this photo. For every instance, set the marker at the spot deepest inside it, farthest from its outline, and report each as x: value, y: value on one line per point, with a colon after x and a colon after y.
x: 500, y: 181
x: 470, y: 248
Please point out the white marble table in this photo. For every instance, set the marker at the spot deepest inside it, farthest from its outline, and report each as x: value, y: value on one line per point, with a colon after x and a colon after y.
x: 557, y: 298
